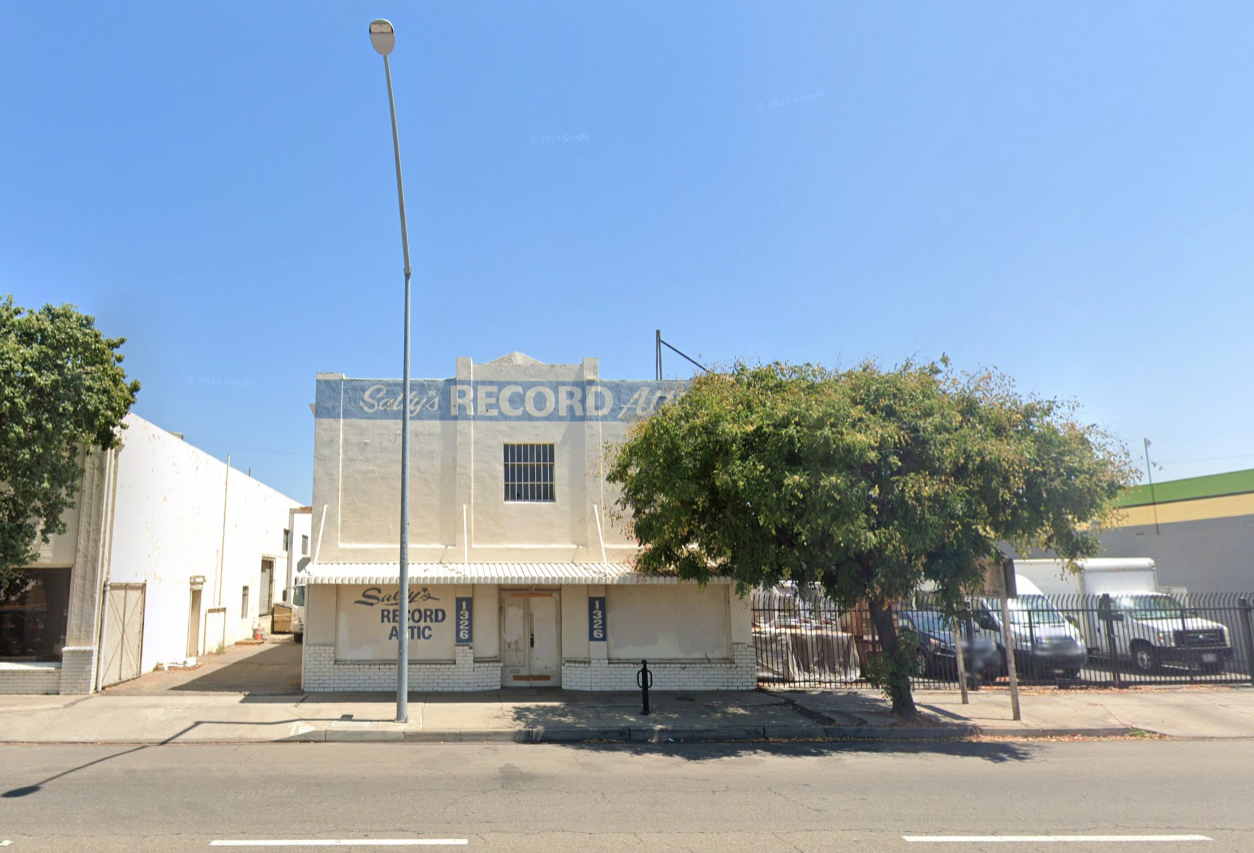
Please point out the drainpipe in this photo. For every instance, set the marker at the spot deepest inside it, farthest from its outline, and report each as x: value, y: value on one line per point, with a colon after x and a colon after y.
x: 597, y: 512
x: 226, y: 491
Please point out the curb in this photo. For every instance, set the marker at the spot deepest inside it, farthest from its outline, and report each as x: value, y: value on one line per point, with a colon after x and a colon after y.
x: 637, y: 735
x: 1043, y: 732
x: 901, y: 733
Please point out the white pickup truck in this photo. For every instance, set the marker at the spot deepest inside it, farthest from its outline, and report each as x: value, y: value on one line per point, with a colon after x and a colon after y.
x: 1148, y: 627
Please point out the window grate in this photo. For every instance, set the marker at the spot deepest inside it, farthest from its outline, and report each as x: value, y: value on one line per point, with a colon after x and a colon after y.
x: 529, y: 473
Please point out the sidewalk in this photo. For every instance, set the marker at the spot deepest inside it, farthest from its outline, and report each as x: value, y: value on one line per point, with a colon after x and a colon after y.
x: 562, y: 716
x: 251, y: 693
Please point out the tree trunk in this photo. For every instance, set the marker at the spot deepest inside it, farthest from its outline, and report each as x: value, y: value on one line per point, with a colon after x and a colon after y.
x: 897, y: 676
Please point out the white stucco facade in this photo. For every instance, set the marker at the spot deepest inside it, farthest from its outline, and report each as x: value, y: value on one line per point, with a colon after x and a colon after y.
x: 160, y: 523
x: 518, y: 574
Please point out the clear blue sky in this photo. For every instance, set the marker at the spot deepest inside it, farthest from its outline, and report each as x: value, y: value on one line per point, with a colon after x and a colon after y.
x: 1064, y: 191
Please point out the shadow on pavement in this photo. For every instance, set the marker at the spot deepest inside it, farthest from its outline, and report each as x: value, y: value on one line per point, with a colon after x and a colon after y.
x: 273, y: 671
x: 996, y: 753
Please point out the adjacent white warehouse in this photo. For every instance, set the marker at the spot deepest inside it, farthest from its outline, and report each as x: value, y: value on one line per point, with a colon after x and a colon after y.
x: 519, y: 575
x: 169, y: 554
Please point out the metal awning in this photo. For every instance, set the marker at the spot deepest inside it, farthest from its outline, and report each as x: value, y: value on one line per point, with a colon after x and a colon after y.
x: 485, y: 573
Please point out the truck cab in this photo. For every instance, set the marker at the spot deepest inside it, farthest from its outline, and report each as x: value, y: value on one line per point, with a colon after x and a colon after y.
x: 299, y: 590
x: 1153, y: 629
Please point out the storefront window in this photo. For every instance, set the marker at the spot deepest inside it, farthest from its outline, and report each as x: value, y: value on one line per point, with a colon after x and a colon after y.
x: 33, y: 617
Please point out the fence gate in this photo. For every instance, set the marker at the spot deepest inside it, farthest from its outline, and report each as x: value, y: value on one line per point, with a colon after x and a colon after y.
x: 123, y: 639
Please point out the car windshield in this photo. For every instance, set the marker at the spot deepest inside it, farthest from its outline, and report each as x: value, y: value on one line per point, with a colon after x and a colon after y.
x: 298, y: 596
x: 927, y: 621
x: 1151, y: 607
x: 1034, y: 609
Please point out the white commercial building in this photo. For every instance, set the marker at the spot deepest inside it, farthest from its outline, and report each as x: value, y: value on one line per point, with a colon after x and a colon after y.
x: 518, y: 576
x: 168, y: 555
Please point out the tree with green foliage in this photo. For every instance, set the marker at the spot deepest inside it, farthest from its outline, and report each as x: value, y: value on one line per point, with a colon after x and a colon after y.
x: 63, y: 393
x: 867, y: 482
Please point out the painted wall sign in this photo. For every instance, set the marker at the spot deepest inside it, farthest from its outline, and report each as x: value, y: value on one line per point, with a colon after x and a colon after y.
x: 369, y: 621
x: 596, y: 619
x: 452, y: 399
x: 463, y: 612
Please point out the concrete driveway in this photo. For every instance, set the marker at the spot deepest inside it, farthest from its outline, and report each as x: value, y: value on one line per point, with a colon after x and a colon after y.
x: 271, y: 668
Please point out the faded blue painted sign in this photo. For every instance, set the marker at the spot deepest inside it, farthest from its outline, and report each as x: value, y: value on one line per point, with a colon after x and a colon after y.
x: 453, y: 399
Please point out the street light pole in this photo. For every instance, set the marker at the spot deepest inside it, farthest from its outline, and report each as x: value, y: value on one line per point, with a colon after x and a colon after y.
x: 1153, y: 497
x: 383, y: 38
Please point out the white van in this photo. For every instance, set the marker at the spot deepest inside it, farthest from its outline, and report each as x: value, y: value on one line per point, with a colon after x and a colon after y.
x: 1149, y: 627
x: 1045, y: 642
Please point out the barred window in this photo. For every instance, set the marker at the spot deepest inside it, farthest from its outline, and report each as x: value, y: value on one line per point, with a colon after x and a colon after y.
x: 529, y: 472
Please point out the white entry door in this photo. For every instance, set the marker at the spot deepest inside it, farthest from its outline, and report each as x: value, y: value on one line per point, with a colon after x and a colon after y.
x: 531, y: 654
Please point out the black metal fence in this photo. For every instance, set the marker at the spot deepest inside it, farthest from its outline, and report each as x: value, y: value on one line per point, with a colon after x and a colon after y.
x: 1122, y: 639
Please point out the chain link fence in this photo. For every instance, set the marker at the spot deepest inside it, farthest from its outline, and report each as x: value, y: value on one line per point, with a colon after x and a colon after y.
x: 1123, y: 639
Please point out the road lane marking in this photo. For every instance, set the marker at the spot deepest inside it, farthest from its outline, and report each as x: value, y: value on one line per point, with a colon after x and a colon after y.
x: 341, y: 842
x: 1045, y: 839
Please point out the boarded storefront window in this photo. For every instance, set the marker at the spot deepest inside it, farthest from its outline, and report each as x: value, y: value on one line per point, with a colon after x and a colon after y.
x: 665, y: 622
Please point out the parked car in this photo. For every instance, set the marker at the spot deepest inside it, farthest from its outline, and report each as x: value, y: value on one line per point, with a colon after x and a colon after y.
x: 936, y: 651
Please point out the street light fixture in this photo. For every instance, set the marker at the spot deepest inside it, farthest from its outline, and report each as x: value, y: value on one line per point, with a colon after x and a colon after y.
x: 383, y: 38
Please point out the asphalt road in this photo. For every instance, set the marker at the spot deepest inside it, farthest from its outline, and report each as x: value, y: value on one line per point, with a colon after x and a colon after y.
x: 700, y: 797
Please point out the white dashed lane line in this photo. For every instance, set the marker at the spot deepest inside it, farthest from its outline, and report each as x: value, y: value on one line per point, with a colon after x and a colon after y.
x: 341, y: 842
x: 1046, y: 839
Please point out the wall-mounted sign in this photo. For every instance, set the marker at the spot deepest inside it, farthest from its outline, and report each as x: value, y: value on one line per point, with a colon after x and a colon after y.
x: 463, y: 626
x: 455, y: 399
x: 596, y: 619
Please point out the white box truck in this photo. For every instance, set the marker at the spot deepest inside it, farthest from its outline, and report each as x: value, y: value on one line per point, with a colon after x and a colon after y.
x: 299, y: 589
x: 1150, y: 628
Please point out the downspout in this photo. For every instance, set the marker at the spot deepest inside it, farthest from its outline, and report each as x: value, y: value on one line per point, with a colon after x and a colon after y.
x: 226, y: 491
x: 597, y: 513
x: 318, y: 545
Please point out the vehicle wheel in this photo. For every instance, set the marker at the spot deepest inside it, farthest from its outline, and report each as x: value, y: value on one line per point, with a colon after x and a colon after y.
x: 923, y: 666
x: 1071, y: 674
x: 1144, y: 657
x: 299, y: 638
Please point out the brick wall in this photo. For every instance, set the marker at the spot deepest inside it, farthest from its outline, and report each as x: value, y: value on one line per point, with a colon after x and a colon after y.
x: 321, y: 672
x: 78, y: 666
x: 30, y: 678
x: 740, y: 673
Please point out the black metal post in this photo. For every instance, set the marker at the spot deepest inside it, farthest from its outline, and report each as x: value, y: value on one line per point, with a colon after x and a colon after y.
x: 1247, y: 634
x: 644, y: 680
x: 1188, y: 654
x: 965, y: 624
x: 1106, y: 614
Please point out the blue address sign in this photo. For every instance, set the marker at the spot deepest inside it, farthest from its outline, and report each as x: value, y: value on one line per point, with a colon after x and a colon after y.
x: 596, y: 619
x: 464, y: 623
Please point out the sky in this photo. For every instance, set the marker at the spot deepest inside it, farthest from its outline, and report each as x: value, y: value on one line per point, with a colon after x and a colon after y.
x: 1062, y: 191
